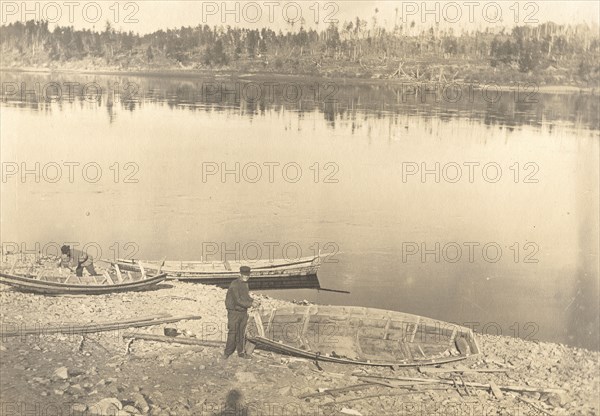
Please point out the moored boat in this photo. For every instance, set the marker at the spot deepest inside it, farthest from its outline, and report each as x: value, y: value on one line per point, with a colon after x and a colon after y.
x: 216, y: 272
x: 356, y: 335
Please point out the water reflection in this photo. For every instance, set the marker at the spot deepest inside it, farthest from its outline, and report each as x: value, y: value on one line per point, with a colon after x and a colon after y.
x: 171, y: 125
x: 510, y: 108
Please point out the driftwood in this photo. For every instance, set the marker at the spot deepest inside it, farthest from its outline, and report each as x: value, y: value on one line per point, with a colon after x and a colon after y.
x: 518, y: 389
x: 98, y: 327
x: 463, y: 370
x: 173, y: 340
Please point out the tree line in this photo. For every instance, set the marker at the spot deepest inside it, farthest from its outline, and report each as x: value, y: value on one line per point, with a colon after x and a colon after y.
x: 524, y: 48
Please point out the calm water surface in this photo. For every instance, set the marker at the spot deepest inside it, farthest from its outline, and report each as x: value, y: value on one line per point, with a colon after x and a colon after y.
x: 353, y: 195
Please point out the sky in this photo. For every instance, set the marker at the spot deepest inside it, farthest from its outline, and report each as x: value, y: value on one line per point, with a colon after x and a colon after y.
x: 146, y: 16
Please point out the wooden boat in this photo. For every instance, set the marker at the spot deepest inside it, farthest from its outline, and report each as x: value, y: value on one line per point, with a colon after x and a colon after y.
x: 217, y: 272
x: 356, y: 335
x: 53, y: 283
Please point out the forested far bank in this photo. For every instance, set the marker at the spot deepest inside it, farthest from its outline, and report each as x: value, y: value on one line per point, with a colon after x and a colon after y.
x: 548, y: 54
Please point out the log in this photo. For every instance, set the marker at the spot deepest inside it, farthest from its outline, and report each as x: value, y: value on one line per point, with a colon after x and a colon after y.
x: 518, y: 389
x: 173, y: 340
x: 98, y: 327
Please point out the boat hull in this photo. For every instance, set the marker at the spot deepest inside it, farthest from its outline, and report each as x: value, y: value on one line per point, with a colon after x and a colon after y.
x: 365, y: 336
x: 29, y: 284
x: 222, y: 273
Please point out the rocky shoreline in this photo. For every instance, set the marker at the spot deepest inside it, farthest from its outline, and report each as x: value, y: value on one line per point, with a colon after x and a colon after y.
x: 262, y: 76
x: 101, y: 373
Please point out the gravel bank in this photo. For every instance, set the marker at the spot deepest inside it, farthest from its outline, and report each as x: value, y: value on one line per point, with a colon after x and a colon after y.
x: 71, y: 374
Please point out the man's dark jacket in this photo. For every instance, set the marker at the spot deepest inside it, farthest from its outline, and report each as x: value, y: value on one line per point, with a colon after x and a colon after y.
x: 238, y: 296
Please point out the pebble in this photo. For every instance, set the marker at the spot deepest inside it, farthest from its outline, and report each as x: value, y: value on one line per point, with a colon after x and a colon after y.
x: 131, y: 410
x: 61, y: 373
x: 140, y: 402
x: 79, y: 408
x: 107, y: 406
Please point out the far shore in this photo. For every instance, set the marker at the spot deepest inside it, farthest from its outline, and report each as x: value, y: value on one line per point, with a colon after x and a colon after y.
x: 526, y: 87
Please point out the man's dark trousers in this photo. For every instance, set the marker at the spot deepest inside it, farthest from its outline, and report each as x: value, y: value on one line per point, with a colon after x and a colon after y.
x: 236, y: 330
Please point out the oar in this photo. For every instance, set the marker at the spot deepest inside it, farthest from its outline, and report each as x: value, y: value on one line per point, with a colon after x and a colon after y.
x: 162, y: 263
x: 333, y: 290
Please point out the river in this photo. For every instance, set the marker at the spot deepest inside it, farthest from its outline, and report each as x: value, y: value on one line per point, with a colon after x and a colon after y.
x: 468, y: 205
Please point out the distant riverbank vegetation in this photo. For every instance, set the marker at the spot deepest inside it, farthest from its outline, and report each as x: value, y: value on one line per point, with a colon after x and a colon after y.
x: 547, y: 54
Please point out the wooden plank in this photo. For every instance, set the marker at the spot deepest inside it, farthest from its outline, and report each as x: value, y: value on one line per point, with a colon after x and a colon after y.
x: 108, y: 277
x: 142, y: 270
x: 305, y: 323
x: 359, y: 349
x: 99, y: 327
x: 463, y: 370
x: 119, y: 275
x: 454, y: 332
x: 387, y: 327
x: 412, y: 336
x: 406, y: 351
x: 173, y: 340
x: 162, y: 263
x: 496, y: 391
x: 270, y: 322
x: 259, y: 325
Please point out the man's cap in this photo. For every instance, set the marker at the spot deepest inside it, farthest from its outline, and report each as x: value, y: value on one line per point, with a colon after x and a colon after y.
x: 245, y: 270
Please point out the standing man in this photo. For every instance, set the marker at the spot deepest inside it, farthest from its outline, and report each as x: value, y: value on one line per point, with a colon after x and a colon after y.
x: 237, y: 302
